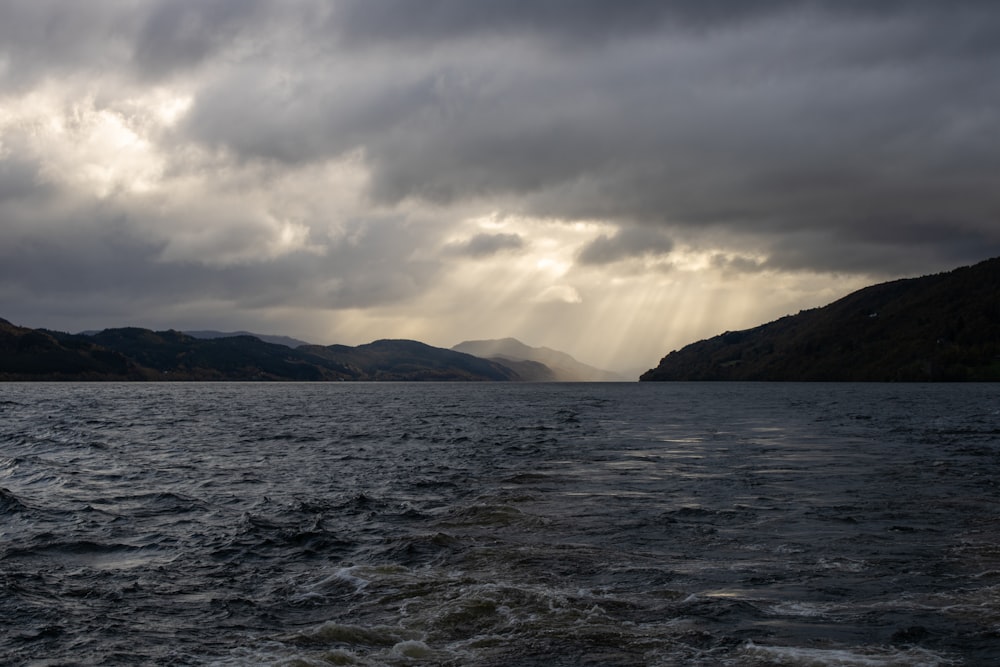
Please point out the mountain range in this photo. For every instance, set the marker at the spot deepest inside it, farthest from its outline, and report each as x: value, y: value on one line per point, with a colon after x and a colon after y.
x: 942, y: 327
x: 209, y: 334
x: 132, y: 353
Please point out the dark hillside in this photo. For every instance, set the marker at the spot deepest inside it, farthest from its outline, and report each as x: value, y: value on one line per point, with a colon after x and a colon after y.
x: 409, y: 360
x: 943, y: 327
x: 29, y: 354
x: 174, y: 355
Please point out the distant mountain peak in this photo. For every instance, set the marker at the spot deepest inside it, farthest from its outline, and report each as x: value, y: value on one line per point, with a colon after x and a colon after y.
x: 563, y: 366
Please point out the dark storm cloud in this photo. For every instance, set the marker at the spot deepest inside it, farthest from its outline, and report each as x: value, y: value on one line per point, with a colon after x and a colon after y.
x: 563, y: 21
x: 485, y: 245
x: 19, y: 179
x: 627, y: 243
x: 837, y: 135
x: 147, y: 40
x: 850, y: 121
x: 853, y: 124
x: 181, y: 33
x: 103, y: 262
x: 46, y: 38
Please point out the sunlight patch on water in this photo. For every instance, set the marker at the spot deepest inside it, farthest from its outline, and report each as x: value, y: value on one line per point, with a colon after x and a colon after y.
x: 793, y: 656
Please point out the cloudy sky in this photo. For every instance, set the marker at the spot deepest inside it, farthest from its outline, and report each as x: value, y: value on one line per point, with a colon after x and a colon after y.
x: 612, y: 179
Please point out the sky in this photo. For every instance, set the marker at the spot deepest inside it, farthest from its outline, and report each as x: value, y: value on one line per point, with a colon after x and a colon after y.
x: 611, y: 179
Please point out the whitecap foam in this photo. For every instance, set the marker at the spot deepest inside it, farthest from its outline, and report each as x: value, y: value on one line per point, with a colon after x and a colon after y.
x: 842, y: 564
x: 805, y: 609
x: 355, y: 635
x: 413, y: 648
x: 336, y: 579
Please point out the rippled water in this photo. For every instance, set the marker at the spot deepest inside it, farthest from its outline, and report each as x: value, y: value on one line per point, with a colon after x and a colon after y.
x: 498, y: 524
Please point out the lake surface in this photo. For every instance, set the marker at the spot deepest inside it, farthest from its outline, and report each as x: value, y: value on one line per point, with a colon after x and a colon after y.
x: 499, y: 524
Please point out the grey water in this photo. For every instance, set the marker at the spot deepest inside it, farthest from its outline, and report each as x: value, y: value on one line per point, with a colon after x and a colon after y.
x: 499, y: 524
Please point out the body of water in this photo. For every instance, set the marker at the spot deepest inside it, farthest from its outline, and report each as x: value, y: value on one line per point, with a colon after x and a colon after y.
x: 499, y: 524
